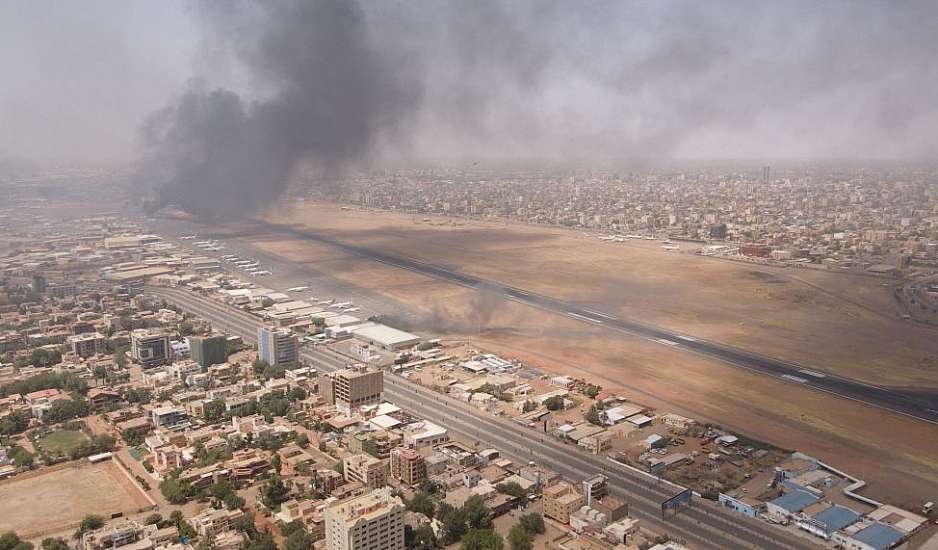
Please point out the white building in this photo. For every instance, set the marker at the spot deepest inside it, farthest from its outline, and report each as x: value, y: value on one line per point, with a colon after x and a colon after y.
x: 424, y: 434
x: 374, y: 521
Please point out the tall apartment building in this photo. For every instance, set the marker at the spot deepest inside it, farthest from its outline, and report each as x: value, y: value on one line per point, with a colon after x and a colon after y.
x: 86, y: 345
x: 276, y: 346
x: 408, y: 466
x: 374, y: 521
x: 356, y: 387
x: 150, y: 348
x: 208, y: 350
x: 369, y: 471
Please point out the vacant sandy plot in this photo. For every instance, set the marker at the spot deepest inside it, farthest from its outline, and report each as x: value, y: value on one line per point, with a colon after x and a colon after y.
x: 56, y: 500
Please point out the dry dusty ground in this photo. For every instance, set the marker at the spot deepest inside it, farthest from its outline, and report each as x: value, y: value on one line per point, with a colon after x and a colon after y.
x: 836, y: 323
x: 57, y: 500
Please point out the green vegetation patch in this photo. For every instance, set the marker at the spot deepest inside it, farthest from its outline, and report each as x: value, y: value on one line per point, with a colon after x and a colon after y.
x: 62, y: 442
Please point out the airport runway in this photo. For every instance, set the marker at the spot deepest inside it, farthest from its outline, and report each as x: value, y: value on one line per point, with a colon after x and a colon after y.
x: 701, y: 525
x: 919, y: 406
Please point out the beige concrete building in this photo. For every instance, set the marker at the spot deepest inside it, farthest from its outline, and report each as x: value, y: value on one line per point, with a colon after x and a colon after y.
x: 408, y: 466
x: 369, y: 522
x: 356, y: 387
x: 86, y: 345
x: 366, y: 469
x: 560, y: 500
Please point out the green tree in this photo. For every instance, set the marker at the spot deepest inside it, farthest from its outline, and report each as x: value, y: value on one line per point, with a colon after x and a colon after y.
x: 477, y: 514
x: 153, y: 519
x: 529, y: 405
x: 262, y: 541
x: 89, y: 523
x: 13, y: 423
x: 120, y: 357
x: 138, y: 395
x: 66, y: 409
x: 454, y: 522
x: 9, y: 540
x: 594, y: 415
x: 12, y: 541
x: 301, y: 439
x: 133, y: 437
x: 297, y: 394
x: 519, y: 538
x: 53, y: 543
x: 175, y: 490
x: 422, y: 503
x: 100, y: 372
x: 274, y: 492
x: 421, y: 538
x: 185, y: 329
x: 511, y: 488
x: 183, y: 527
x: 299, y: 539
x: 21, y: 457
x: 554, y: 403
x: 481, y: 539
x: 214, y: 410
x: 533, y: 523
x: 259, y: 366
x: 277, y: 463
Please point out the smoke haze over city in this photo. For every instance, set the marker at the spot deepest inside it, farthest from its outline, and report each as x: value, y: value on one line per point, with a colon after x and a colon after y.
x: 534, y: 80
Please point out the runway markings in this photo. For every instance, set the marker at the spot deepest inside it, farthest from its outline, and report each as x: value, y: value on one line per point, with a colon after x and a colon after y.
x: 688, y: 338
x: 797, y: 379
x: 610, y: 317
x: 583, y: 317
x: 813, y: 373
x: 666, y: 342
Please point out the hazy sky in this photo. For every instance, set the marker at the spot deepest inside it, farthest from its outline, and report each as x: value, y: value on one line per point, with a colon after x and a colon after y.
x: 557, y: 80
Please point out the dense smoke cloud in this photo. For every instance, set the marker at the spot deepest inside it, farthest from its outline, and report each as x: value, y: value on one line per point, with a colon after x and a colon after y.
x: 332, y: 84
x: 333, y: 92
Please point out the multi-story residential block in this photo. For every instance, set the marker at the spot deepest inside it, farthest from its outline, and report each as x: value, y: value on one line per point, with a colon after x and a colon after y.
x: 276, y: 346
x: 560, y: 500
x: 366, y: 469
x: 374, y: 521
x: 408, y: 466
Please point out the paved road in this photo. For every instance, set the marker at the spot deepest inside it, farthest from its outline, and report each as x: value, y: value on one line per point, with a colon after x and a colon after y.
x: 703, y: 525
x: 918, y: 405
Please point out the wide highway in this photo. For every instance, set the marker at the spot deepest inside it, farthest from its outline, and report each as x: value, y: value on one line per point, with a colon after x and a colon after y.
x: 701, y: 525
x: 920, y: 406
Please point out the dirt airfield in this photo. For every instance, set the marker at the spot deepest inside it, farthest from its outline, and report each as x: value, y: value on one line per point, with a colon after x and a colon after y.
x: 835, y: 323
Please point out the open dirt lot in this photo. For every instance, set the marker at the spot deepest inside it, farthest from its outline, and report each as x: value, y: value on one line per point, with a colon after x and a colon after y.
x: 832, y: 322
x: 58, y: 499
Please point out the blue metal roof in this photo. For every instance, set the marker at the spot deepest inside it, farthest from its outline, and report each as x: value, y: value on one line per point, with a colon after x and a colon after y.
x: 836, y: 518
x: 795, y: 501
x: 879, y: 536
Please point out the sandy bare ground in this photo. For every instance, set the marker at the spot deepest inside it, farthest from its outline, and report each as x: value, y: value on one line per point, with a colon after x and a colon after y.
x: 53, y: 501
x: 835, y: 323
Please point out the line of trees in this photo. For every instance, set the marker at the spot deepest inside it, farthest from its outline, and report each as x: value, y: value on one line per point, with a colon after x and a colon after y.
x: 45, y: 381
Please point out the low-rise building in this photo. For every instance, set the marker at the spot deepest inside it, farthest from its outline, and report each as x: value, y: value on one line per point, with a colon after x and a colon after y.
x: 560, y: 500
x: 424, y: 435
x: 366, y: 469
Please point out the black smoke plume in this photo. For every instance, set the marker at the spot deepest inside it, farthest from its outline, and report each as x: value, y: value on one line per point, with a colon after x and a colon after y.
x: 333, y: 93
